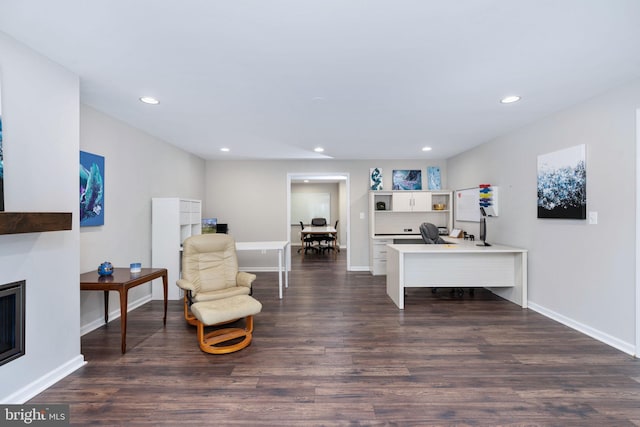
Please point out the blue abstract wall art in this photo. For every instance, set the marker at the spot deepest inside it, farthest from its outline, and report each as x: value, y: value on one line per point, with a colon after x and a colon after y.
x: 375, y: 179
x: 562, y: 184
x: 434, y: 181
x: 410, y: 179
x: 91, y: 189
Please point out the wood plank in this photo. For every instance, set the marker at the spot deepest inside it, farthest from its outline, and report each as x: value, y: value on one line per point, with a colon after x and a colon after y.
x: 34, y: 222
x: 337, y: 351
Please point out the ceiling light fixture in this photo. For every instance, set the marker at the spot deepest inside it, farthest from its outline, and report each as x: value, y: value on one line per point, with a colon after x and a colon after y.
x: 426, y: 148
x: 510, y: 99
x: 149, y: 100
x: 225, y: 149
x: 318, y: 149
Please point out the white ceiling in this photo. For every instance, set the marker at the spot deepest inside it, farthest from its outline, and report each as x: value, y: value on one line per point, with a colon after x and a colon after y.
x: 365, y: 79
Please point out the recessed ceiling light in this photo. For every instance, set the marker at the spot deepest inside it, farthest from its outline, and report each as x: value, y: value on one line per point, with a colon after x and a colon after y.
x: 149, y: 100
x: 318, y: 149
x: 426, y: 148
x: 225, y: 149
x: 510, y: 99
x: 306, y: 181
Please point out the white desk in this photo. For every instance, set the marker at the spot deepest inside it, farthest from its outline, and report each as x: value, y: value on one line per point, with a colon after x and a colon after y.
x: 501, y: 269
x: 279, y: 246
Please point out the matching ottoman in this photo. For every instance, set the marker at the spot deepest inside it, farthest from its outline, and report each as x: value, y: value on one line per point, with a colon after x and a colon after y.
x: 227, y: 310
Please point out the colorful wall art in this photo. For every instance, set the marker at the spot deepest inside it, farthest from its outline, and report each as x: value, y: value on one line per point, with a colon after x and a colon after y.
x: 407, y: 179
x: 375, y: 179
x: 91, y: 189
x: 562, y: 184
x: 433, y: 178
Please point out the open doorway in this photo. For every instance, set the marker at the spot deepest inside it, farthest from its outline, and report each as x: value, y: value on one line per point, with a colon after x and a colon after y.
x: 637, y: 323
x: 342, y: 213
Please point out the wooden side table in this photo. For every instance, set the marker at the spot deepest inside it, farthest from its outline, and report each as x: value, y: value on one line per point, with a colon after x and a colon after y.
x: 122, y: 280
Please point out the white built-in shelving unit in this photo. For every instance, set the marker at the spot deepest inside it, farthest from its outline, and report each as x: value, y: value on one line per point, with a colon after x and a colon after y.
x: 172, y: 221
x: 395, y: 216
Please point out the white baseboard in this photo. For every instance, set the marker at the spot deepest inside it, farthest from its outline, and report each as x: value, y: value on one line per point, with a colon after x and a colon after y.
x: 359, y: 268
x: 115, y: 314
x: 36, y: 387
x: 614, y: 342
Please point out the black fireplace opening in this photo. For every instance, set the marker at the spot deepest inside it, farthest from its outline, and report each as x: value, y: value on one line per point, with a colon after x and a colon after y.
x: 12, y: 319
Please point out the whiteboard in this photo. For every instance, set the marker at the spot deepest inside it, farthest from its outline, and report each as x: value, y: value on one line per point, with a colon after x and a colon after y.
x: 305, y: 206
x: 467, y: 204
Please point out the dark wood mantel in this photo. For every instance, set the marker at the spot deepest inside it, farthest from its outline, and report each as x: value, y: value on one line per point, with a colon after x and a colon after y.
x: 34, y: 222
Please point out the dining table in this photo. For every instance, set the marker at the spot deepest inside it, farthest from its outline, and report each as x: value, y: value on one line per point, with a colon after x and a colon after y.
x: 314, y: 230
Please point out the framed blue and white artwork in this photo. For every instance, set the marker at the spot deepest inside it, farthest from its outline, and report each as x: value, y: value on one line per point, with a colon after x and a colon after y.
x: 407, y: 179
x: 375, y: 179
x: 91, y: 189
x: 562, y: 184
x: 433, y: 178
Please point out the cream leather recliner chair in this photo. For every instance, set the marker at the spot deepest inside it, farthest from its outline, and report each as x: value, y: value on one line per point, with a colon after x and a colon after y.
x: 210, y: 271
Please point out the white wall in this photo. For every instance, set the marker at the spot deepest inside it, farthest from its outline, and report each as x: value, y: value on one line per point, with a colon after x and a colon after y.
x: 137, y: 168
x: 582, y: 275
x: 40, y: 107
x: 249, y: 194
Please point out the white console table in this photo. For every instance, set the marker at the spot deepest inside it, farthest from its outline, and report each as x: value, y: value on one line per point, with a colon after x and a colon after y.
x: 501, y: 269
x: 279, y: 246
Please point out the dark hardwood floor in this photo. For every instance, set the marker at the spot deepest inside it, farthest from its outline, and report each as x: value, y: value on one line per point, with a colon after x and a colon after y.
x: 337, y: 351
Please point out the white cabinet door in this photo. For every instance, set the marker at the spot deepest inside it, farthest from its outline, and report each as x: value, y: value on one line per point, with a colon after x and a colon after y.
x: 421, y: 202
x: 411, y: 201
x: 402, y: 202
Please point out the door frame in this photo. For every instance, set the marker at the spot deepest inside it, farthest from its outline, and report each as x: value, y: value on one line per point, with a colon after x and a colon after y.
x: 637, y: 319
x: 320, y: 177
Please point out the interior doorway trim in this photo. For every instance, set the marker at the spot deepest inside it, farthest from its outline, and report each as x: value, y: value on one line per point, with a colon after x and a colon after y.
x: 321, y: 177
x: 637, y: 319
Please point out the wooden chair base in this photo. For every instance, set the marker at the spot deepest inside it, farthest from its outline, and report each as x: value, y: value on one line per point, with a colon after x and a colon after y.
x: 188, y: 316
x: 213, y: 342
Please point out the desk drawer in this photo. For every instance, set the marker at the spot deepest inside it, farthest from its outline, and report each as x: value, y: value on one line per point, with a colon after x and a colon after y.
x: 379, y: 267
x: 380, y: 251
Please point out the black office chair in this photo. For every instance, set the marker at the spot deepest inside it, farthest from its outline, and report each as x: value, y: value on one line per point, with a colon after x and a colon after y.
x: 319, y: 222
x: 431, y: 236
x: 329, y: 241
x: 318, y: 238
x: 307, y: 240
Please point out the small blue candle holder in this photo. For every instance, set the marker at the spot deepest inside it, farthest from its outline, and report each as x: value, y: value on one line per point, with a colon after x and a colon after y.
x: 105, y: 269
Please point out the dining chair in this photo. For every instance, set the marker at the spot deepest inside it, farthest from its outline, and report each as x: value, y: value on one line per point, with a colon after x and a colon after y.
x: 307, y: 240
x: 330, y: 240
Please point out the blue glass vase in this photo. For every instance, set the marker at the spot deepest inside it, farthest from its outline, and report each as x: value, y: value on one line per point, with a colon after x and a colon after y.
x: 105, y: 269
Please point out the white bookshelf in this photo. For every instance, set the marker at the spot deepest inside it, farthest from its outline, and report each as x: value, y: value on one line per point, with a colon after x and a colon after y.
x: 172, y: 221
